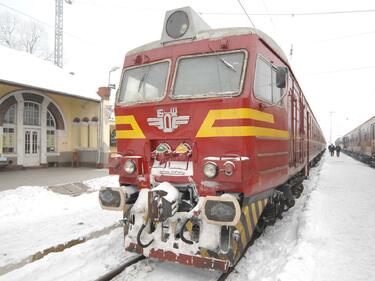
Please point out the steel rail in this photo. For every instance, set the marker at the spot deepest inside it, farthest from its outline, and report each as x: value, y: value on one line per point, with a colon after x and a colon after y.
x: 113, y: 273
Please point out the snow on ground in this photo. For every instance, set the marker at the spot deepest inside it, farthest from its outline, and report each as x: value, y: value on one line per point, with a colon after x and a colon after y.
x: 33, y: 219
x: 97, y: 183
x: 84, y: 262
x: 328, y: 235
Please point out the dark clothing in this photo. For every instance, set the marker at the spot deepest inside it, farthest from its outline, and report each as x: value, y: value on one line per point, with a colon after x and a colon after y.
x: 331, y: 149
x: 338, y: 149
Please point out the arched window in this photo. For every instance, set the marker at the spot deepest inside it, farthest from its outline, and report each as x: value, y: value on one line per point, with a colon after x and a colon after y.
x: 31, y: 114
x: 9, y: 130
x: 51, y: 133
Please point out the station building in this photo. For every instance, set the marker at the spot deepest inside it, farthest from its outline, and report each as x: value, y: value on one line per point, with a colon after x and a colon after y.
x: 48, y: 116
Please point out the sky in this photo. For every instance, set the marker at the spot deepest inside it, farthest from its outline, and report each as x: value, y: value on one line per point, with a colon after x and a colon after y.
x: 333, y: 54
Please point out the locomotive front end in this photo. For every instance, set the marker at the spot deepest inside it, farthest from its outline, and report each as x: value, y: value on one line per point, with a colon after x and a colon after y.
x: 182, y: 180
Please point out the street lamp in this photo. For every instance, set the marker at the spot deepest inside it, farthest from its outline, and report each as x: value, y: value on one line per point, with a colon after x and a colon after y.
x: 330, y: 126
x: 114, y: 68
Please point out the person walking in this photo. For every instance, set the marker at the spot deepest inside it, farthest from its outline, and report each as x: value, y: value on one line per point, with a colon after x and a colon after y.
x: 338, y: 149
x: 331, y: 149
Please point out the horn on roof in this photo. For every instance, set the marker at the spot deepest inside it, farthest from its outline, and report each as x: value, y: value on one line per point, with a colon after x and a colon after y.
x: 182, y: 23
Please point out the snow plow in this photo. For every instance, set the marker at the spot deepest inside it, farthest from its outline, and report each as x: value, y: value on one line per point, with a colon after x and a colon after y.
x: 161, y: 224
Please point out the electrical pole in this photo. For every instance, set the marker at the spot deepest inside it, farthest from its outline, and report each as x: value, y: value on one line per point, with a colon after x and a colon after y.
x: 59, y: 19
x: 330, y: 126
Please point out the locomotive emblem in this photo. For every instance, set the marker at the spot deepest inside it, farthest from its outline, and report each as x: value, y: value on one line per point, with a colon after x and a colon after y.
x: 168, y: 121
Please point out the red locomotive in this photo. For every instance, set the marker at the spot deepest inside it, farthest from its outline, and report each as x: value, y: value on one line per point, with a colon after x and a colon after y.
x: 360, y: 142
x: 214, y: 138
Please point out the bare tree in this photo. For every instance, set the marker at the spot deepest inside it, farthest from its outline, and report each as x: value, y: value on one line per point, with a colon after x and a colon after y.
x: 29, y: 36
x: 7, y: 30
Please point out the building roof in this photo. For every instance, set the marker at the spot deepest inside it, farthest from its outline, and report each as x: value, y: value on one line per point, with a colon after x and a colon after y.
x: 21, y: 68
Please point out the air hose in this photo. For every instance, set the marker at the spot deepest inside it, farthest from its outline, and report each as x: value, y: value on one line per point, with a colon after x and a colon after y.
x: 182, y: 233
x: 139, y: 236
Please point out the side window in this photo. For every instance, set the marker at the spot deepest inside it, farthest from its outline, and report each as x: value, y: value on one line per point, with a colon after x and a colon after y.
x: 265, y: 82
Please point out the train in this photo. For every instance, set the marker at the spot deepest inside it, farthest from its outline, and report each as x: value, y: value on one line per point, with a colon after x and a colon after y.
x: 214, y: 139
x: 360, y: 142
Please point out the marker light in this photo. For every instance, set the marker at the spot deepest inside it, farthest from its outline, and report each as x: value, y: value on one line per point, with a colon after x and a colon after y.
x: 129, y: 167
x: 163, y: 148
x: 210, y: 170
x: 182, y: 148
x: 229, y: 168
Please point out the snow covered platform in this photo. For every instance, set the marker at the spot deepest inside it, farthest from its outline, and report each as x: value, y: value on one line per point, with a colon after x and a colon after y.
x: 328, y: 235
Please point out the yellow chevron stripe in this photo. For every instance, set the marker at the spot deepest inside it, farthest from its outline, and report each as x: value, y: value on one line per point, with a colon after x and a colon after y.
x: 207, y: 129
x: 265, y: 202
x: 255, y: 216
x: 234, y: 246
x: 260, y: 207
x: 241, y: 229
x: 245, y: 210
x: 135, y: 133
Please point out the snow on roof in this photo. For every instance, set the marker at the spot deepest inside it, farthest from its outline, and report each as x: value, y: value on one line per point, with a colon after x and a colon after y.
x: 28, y: 70
x: 215, y: 34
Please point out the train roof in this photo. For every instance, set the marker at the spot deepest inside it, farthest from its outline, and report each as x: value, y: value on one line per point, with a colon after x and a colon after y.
x: 215, y: 34
x: 369, y: 121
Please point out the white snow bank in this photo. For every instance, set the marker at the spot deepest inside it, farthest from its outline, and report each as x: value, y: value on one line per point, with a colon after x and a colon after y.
x: 83, y: 262
x: 328, y: 235
x: 97, y: 183
x: 33, y: 219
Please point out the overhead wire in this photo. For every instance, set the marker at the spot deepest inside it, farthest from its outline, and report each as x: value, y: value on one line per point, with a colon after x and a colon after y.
x: 339, y: 70
x: 291, y: 14
x: 247, y: 15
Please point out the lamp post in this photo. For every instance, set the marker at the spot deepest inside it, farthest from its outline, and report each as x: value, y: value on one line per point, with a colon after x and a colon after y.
x: 330, y: 126
x: 114, y: 68
x: 104, y: 118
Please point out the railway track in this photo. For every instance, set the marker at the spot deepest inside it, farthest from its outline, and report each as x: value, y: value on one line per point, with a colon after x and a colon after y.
x: 115, y: 272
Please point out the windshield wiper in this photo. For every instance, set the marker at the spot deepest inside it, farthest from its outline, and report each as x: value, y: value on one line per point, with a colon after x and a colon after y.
x: 224, y: 61
x: 143, y: 79
x: 227, y: 64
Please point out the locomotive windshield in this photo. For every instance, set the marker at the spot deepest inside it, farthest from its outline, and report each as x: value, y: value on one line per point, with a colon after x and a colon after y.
x: 144, y: 83
x: 209, y: 75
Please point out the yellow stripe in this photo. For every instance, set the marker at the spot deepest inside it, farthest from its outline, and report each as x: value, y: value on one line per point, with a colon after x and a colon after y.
x: 260, y: 207
x: 234, y: 247
x: 255, y: 216
x: 135, y: 133
x: 207, y: 129
x: 240, y: 228
x: 248, y: 222
x: 265, y: 202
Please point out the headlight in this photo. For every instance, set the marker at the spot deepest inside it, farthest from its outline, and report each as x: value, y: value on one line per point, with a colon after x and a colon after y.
x: 210, y: 170
x: 229, y: 168
x: 129, y: 167
x: 111, y: 198
x: 222, y: 210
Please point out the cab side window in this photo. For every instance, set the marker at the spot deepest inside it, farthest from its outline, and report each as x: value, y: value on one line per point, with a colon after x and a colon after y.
x: 265, y: 82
